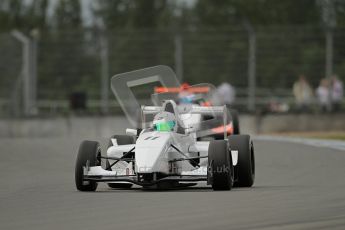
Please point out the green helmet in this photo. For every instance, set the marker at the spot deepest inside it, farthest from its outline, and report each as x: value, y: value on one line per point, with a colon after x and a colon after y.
x: 164, y: 122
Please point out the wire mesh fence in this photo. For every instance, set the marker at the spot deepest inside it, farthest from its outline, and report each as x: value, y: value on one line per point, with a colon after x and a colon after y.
x: 72, y: 61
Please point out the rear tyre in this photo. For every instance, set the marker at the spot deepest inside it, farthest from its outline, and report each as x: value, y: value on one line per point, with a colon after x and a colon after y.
x: 87, y: 155
x: 235, y: 121
x: 220, y: 168
x: 245, y: 168
x: 233, y: 117
x: 121, y: 140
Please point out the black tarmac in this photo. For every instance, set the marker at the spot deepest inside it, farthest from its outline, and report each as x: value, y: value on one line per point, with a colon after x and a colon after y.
x: 297, y: 187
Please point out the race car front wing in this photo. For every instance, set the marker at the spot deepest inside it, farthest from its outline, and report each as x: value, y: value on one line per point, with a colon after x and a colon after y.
x: 98, y: 174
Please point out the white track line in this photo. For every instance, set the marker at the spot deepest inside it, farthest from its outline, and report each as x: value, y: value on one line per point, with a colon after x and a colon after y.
x: 333, y: 144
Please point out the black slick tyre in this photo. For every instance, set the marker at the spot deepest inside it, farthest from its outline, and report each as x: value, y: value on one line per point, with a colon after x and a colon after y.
x: 219, y: 165
x: 87, y: 156
x: 235, y: 121
x: 245, y: 168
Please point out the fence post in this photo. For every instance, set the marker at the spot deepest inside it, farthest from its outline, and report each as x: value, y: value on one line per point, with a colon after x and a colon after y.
x: 33, y: 70
x: 329, y: 21
x: 179, y: 57
x: 251, y: 66
x: 329, y: 53
x: 28, y: 73
x: 104, y: 57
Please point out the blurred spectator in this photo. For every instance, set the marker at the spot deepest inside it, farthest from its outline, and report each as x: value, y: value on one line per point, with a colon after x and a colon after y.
x: 323, y: 95
x: 227, y: 93
x: 275, y: 106
x: 303, y: 93
x: 337, y: 93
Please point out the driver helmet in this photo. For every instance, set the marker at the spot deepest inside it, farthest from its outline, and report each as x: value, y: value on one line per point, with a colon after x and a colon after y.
x: 165, y: 122
x: 185, y: 97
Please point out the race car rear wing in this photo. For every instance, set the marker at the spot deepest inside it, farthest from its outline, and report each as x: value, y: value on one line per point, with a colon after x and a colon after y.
x: 213, y: 111
x: 161, y: 89
x: 192, y: 109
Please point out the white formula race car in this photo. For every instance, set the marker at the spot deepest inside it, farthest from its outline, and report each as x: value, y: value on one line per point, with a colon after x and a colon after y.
x: 164, y: 152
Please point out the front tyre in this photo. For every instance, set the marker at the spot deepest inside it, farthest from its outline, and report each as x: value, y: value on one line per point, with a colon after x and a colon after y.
x: 87, y: 155
x: 245, y: 168
x: 220, y: 168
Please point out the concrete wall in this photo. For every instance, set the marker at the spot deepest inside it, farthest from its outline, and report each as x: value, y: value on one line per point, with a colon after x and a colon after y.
x: 107, y: 126
x: 302, y: 122
x: 71, y: 126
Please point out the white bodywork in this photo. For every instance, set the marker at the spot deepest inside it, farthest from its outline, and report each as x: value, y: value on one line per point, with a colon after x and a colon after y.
x: 153, y: 152
x: 170, y: 153
x: 173, y: 156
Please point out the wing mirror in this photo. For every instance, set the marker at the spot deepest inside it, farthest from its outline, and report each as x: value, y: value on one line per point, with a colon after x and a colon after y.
x: 132, y: 132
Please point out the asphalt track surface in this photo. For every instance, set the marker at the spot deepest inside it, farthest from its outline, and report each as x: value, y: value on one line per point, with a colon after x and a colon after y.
x: 297, y: 187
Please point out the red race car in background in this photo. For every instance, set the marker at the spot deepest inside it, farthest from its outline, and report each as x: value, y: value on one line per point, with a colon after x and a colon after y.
x: 204, y: 95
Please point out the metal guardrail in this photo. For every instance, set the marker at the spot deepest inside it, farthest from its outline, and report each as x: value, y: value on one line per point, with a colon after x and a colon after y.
x: 56, y: 107
x: 264, y: 98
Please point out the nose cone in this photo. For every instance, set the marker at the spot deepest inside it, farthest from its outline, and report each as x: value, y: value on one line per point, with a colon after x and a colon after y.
x: 151, y: 152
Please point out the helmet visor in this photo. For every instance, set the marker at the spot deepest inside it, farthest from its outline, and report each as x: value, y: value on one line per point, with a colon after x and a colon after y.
x: 164, y: 126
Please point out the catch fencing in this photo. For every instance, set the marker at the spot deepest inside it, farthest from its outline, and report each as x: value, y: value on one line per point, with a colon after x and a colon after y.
x: 261, y: 63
